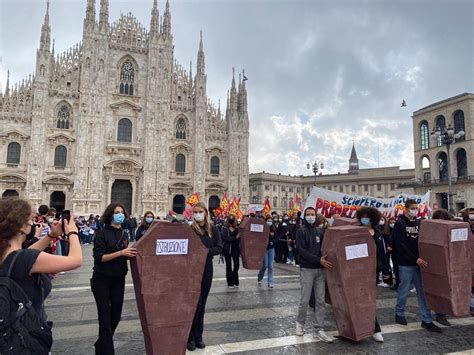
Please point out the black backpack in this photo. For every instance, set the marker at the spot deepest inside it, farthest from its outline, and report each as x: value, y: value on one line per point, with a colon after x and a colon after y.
x: 22, y: 329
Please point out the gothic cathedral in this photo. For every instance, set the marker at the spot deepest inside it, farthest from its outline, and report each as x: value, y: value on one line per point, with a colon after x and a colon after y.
x: 116, y: 118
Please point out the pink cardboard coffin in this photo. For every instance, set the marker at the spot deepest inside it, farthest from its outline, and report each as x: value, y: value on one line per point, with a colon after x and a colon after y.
x: 167, y: 285
x: 253, y: 234
x: 351, y: 282
x: 345, y: 221
x: 445, y: 245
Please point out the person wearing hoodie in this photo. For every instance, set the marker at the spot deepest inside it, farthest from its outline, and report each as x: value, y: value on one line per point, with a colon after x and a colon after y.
x: 147, y: 221
x: 309, y: 239
x: 405, y: 235
x: 269, y: 255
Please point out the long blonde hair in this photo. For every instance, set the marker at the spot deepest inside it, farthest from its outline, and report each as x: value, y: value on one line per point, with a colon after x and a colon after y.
x: 207, y: 222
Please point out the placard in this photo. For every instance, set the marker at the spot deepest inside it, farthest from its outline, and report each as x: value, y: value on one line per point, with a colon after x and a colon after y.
x: 172, y: 246
x: 357, y: 251
x: 458, y: 235
x: 256, y: 228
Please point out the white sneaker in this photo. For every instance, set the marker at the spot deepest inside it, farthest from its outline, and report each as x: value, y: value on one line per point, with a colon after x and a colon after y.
x: 299, y: 329
x: 413, y: 290
x: 230, y: 286
x: 324, y: 337
x: 259, y: 282
x: 378, y: 337
x: 383, y: 284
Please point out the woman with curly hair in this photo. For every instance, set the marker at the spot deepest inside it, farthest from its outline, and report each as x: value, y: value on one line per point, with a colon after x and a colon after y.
x: 29, y: 267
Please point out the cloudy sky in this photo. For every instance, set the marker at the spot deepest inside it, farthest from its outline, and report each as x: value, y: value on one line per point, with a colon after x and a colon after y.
x: 320, y: 72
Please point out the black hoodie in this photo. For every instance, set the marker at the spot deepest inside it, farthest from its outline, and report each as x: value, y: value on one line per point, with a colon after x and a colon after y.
x: 309, y: 239
x: 405, y: 237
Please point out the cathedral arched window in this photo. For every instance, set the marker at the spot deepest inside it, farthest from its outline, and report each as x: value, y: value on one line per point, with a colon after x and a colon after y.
x: 127, y: 74
x: 60, y: 156
x: 124, y: 131
x: 181, y: 129
x: 13, y: 153
x: 215, y: 166
x: 459, y: 124
x: 63, y: 117
x: 180, y: 164
x: 424, y: 135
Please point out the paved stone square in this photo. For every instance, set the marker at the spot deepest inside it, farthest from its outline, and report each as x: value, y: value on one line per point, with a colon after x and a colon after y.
x: 249, y: 320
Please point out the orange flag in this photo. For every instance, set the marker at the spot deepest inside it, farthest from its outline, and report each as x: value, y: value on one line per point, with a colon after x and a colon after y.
x: 266, y: 208
x: 193, y: 199
x: 224, y: 203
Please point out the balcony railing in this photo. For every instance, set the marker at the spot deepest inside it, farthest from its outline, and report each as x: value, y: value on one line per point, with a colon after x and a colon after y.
x: 432, y: 182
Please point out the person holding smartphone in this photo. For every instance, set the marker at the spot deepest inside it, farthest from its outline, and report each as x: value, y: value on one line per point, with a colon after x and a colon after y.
x: 111, y: 251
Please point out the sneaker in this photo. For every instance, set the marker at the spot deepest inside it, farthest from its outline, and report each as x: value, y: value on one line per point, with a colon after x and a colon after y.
x: 400, y: 320
x: 324, y: 337
x: 259, y: 282
x: 378, y: 337
x: 230, y: 287
x: 413, y: 290
x: 299, y: 329
x: 236, y: 286
x: 200, y: 345
x: 431, y: 327
x: 443, y: 321
x: 297, y: 265
x: 191, y: 346
x: 383, y: 284
x: 270, y: 285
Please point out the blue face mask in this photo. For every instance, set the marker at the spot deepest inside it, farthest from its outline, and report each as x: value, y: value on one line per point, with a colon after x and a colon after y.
x: 149, y: 220
x: 365, y: 221
x: 119, y: 218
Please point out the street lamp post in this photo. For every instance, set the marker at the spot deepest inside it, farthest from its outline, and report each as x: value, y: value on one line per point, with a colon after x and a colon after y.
x: 316, y: 166
x: 448, y: 136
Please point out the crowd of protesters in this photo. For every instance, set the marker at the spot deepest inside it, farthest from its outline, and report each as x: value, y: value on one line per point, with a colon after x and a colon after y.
x: 38, y: 245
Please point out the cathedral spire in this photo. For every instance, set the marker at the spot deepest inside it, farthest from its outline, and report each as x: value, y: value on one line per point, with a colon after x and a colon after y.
x: 104, y: 14
x: 45, y: 39
x: 7, y: 87
x: 167, y: 20
x: 233, y: 94
x: 89, y: 21
x: 154, y: 22
x: 243, y: 93
x: 353, y: 160
x: 200, y: 58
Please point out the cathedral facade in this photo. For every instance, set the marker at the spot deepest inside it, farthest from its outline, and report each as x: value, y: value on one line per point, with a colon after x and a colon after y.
x: 116, y: 118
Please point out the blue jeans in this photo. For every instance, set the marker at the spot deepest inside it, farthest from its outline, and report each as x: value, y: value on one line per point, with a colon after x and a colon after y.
x: 267, y: 263
x: 409, y: 275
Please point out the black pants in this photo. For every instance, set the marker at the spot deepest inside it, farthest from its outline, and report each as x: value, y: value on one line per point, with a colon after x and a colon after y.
x: 396, y: 269
x: 232, y: 273
x: 108, y: 293
x: 198, y: 322
x: 377, y: 326
x: 283, y: 251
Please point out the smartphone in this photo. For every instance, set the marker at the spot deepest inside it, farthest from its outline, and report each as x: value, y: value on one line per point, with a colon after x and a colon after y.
x: 66, y: 216
x: 57, y: 216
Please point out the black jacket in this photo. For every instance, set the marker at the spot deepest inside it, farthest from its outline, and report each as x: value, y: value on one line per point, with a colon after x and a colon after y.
x: 382, y: 263
x: 308, y: 243
x: 230, y: 241
x: 214, y: 244
x: 110, y: 240
x: 405, y: 240
x: 141, y: 230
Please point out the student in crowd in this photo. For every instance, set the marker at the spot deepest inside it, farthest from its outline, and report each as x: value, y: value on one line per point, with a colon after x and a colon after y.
x: 383, y: 243
x: 269, y: 255
x: 147, y: 221
x: 211, y: 239
x: 392, y: 253
x: 231, y: 250
x: 370, y: 217
x: 111, y: 251
x: 309, y: 239
x: 29, y: 267
x: 282, y: 235
x: 406, y: 232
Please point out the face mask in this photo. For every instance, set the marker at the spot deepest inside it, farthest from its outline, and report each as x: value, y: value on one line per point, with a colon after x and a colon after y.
x: 199, y: 217
x: 310, y: 219
x: 269, y: 223
x: 471, y: 216
x: 50, y: 220
x: 149, y: 220
x: 391, y: 225
x: 413, y: 212
x: 119, y: 218
x: 365, y: 221
x: 382, y: 222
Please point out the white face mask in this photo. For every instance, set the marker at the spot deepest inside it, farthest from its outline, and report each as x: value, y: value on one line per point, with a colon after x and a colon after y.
x: 392, y: 225
x: 413, y: 212
x: 50, y: 220
x: 310, y: 219
x: 471, y: 216
x: 199, y: 216
x: 382, y: 222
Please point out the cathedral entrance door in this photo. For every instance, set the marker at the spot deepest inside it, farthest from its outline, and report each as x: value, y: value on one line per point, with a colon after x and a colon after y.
x: 179, y: 204
x: 10, y: 193
x: 214, y: 202
x: 122, y: 193
x: 57, y: 200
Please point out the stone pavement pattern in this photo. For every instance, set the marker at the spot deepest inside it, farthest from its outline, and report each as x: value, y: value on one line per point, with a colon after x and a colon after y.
x: 249, y: 320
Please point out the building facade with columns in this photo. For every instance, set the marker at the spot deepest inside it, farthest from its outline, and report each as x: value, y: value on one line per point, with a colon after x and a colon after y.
x: 432, y: 158
x: 281, y: 190
x: 116, y: 118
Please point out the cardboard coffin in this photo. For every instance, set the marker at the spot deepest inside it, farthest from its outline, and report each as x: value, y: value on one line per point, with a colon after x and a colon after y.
x: 345, y: 221
x: 253, y: 234
x: 167, y: 286
x: 445, y: 245
x: 351, y: 282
